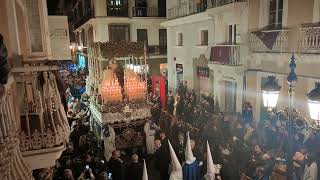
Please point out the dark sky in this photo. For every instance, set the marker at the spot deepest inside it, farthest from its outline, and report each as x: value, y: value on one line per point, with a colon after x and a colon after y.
x: 52, y: 6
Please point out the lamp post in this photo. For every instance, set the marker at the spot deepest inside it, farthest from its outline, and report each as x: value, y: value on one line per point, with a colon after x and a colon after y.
x: 270, y: 93
x: 292, y: 80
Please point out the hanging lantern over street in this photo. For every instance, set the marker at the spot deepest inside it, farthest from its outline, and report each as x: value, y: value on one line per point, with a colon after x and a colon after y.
x: 270, y: 92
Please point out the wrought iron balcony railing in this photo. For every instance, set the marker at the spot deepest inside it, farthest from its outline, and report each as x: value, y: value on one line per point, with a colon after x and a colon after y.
x: 157, y: 50
x: 225, y: 54
x: 144, y: 12
x: 217, y: 3
x: 269, y: 41
x: 118, y: 11
x: 185, y: 9
x: 310, y: 40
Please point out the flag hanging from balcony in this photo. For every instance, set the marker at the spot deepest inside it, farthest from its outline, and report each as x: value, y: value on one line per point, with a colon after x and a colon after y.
x: 220, y: 54
x: 267, y: 38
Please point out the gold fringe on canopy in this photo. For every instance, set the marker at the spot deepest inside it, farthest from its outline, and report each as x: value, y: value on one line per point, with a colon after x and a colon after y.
x: 111, y: 50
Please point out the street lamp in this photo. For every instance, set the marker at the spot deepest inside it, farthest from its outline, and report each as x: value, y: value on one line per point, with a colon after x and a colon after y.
x: 270, y: 93
x: 314, y: 104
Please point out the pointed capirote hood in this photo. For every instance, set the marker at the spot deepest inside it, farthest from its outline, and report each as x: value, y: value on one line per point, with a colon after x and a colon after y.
x: 145, y: 173
x: 210, y: 165
x: 176, y: 173
x: 176, y: 166
x: 189, y: 158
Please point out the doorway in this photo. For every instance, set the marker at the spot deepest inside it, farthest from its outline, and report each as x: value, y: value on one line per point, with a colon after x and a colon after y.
x: 162, y: 8
x: 230, y: 96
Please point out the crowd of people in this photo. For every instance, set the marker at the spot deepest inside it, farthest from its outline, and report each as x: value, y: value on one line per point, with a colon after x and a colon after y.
x: 243, y: 148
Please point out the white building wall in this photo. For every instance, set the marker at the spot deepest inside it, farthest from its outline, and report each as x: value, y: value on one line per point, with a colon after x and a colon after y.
x: 152, y: 27
x: 189, y: 50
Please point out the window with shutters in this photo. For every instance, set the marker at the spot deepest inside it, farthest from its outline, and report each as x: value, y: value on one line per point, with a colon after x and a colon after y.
x: 275, y: 13
x: 142, y: 35
x: 180, y: 39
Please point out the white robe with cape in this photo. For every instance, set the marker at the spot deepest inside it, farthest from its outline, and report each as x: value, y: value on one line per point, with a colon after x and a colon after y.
x: 109, y: 143
x: 149, y: 137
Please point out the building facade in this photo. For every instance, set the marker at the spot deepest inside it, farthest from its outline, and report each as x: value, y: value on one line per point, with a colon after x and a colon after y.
x: 30, y: 139
x: 241, y: 42
x: 123, y: 20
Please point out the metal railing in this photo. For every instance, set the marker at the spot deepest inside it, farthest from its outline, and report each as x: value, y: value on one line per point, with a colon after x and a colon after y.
x: 118, y: 11
x: 217, y: 3
x: 144, y: 12
x: 280, y: 44
x: 180, y: 10
x: 195, y: 8
x: 157, y: 49
x: 310, y: 40
x: 228, y: 55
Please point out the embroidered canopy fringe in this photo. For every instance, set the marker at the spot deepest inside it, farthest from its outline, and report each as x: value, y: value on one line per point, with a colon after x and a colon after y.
x: 110, y: 50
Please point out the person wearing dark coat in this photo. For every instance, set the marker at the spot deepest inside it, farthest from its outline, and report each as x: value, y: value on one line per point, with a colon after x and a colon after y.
x: 116, y: 166
x: 162, y: 160
x: 179, y: 146
x: 135, y: 169
x: 170, y: 103
x: 247, y: 114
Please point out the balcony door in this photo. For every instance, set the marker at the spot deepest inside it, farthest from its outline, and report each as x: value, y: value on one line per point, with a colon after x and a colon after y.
x: 230, y: 96
x: 142, y: 35
x: 275, y: 14
x: 117, y: 8
x: 234, y: 34
x: 162, y: 8
x: 163, y: 40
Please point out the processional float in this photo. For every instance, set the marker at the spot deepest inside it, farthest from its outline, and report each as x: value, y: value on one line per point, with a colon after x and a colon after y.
x: 118, y: 89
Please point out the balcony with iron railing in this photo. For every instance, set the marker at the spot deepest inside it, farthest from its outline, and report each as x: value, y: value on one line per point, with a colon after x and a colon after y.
x: 218, y: 3
x: 157, y: 49
x: 145, y: 12
x: 118, y: 11
x: 186, y: 9
x: 274, y: 41
x: 44, y: 125
x: 310, y: 40
x: 225, y: 55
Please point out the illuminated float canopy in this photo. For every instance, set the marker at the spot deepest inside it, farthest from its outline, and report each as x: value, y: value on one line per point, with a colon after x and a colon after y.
x: 118, y: 93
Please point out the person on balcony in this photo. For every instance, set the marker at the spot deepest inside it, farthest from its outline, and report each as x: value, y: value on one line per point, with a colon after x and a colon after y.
x: 4, y: 69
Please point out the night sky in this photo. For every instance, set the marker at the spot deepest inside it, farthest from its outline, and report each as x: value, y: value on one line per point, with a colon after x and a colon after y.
x: 52, y: 6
